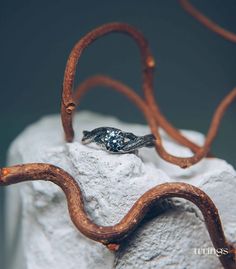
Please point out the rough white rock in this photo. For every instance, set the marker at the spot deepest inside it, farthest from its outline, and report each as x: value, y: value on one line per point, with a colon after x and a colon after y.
x: 41, y: 234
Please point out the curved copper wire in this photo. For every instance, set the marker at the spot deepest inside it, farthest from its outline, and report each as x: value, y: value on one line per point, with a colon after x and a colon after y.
x: 113, y: 235
x: 211, y: 134
x: 226, y: 34
x: 69, y: 104
x: 120, y: 87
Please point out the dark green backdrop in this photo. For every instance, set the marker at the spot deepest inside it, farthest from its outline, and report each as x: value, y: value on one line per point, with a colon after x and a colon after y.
x: 195, y: 67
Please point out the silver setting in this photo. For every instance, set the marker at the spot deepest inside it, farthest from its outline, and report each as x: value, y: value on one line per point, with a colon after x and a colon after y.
x: 114, y: 140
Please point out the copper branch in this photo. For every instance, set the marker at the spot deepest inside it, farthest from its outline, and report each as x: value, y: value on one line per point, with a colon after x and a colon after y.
x: 152, y: 111
x: 226, y: 34
x: 113, y: 235
x: 68, y: 103
x: 211, y: 134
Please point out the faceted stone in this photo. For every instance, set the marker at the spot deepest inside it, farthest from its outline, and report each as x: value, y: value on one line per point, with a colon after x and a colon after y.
x: 114, y: 140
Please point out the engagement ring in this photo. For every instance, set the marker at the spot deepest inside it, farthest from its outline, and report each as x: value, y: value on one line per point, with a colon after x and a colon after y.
x: 114, y: 140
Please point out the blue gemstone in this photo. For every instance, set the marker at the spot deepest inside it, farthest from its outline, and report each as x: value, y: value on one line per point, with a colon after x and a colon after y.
x: 114, y: 140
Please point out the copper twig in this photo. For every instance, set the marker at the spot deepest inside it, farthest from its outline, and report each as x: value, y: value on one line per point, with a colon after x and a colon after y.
x: 112, y: 236
x: 226, y: 34
x: 69, y: 104
x: 211, y: 134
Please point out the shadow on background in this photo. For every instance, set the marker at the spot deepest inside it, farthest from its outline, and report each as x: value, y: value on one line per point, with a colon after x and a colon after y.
x: 195, y: 67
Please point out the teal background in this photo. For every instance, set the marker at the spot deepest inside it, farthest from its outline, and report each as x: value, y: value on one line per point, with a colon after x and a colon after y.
x: 195, y: 67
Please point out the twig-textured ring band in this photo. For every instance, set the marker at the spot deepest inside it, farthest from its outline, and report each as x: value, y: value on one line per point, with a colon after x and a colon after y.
x: 114, y: 140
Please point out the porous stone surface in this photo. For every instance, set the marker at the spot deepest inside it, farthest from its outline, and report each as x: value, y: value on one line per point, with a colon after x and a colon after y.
x: 41, y: 234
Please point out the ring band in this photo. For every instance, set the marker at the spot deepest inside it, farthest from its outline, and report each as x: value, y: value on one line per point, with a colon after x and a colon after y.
x: 115, y: 140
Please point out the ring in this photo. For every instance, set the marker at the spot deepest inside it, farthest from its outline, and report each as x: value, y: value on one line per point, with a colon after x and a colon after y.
x: 114, y: 140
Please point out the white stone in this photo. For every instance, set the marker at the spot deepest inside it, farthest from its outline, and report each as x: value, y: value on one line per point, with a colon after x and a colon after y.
x: 110, y: 184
